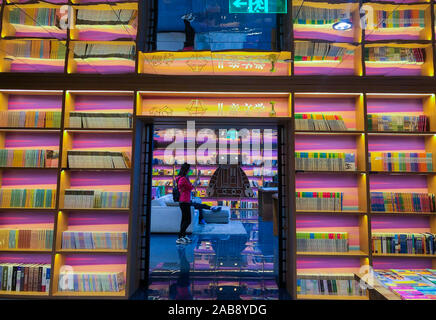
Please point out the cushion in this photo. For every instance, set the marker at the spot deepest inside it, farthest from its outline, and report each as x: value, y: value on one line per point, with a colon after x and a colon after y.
x: 158, y: 203
x: 168, y: 200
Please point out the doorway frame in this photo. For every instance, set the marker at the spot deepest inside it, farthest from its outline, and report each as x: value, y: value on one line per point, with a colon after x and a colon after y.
x: 287, y: 269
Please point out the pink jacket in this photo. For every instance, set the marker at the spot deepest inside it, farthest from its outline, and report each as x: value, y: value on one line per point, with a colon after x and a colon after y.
x: 185, y: 188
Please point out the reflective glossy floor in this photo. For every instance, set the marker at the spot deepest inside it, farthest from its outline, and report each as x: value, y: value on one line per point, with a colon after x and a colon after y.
x: 240, y: 264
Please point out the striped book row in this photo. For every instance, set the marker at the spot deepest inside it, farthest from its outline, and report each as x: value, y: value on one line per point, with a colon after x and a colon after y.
x: 30, y: 119
x: 94, y: 240
x: 401, y: 161
x: 26, y: 239
x: 29, y: 158
x: 25, y: 277
x: 404, y: 243
x: 27, y: 198
x: 319, y: 201
x: 322, y: 241
x: 91, y: 281
x: 329, y: 284
x: 75, y: 198
x: 325, y: 161
x: 402, y: 202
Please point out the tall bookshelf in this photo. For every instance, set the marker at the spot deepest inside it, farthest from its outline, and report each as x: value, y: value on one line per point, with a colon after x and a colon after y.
x: 361, y: 222
x: 59, y: 217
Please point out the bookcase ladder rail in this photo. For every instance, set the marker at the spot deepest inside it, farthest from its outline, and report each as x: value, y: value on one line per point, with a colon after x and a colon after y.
x: 146, y: 165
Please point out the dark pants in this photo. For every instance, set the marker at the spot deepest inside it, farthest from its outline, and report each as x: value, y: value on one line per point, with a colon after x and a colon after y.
x: 186, y: 218
x: 200, y: 207
x: 190, y: 35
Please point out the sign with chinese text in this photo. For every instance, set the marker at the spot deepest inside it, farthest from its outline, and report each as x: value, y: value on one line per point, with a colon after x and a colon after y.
x: 258, y: 6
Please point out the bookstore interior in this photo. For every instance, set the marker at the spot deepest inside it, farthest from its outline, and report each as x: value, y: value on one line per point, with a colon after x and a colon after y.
x: 309, y: 127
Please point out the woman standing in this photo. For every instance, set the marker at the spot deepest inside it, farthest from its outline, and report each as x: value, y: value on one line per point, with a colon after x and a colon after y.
x: 185, y: 187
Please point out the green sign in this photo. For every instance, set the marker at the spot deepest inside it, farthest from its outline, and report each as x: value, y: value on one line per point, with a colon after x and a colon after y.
x: 258, y: 6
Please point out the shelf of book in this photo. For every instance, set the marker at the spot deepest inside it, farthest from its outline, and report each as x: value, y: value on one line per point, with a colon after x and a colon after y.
x: 397, y: 21
x: 93, y: 57
x: 351, y: 253
x: 35, y: 20
x: 104, y: 22
x: 326, y: 58
x: 382, y: 59
x: 315, y: 20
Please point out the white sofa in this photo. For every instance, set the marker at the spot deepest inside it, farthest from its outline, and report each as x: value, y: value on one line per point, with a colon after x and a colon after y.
x: 166, y: 216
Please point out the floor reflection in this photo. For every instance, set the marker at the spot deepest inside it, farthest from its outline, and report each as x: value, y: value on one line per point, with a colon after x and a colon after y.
x: 217, y: 266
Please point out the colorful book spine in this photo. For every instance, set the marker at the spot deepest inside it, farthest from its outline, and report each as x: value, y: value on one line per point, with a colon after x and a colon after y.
x: 319, y: 201
x: 322, y: 241
x: 94, y: 240
x: 401, y: 161
x: 27, y: 198
x: 319, y: 122
x: 316, y: 51
x: 30, y: 119
x: 403, y: 243
x: 329, y: 284
x: 83, y: 199
x: 402, y: 202
x: 390, y: 123
x: 91, y: 282
x: 29, y: 158
x: 399, y: 18
x: 100, y: 120
x: 26, y: 239
x: 98, y: 159
x: 395, y: 54
x: 24, y: 277
x: 325, y: 161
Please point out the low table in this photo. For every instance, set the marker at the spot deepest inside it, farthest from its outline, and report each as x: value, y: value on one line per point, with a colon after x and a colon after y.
x: 222, y: 216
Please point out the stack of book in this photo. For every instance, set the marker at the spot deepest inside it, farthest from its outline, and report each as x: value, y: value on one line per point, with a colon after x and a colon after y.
x: 398, y: 123
x: 316, y: 16
x: 319, y: 122
x: 322, y: 241
x: 36, y: 17
x: 329, y: 284
x: 409, y: 284
x: 75, y: 198
x: 30, y: 119
x: 394, y: 54
x: 29, y: 158
x: 100, y: 120
x: 104, y: 51
x: 399, y: 18
x: 27, y: 198
x: 37, y: 49
x: 98, y: 159
x: 26, y: 239
x: 325, y: 161
x: 104, y: 17
x: 314, y: 51
x: 401, y: 161
x: 91, y: 281
x: 94, y: 240
x: 404, y: 243
x: 23, y: 277
x: 319, y: 201
x: 402, y: 202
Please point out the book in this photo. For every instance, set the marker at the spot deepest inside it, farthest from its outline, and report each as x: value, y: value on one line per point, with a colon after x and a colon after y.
x: 12, y: 277
x: 316, y: 16
x: 76, y: 198
x: 100, y: 120
x: 30, y: 119
x: 400, y: 161
x: 319, y: 122
x: 403, y: 243
x: 98, y: 159
x: 26, y: 238
x: 27, y: 198
x: 402, y: 202
x: 395, y: 54
x: 393, y: 123
x: 319, y: 201
x: 322, y: 241
x: 29, y: 158
x: 94, y: 240
x: 329, y: 284
x: 318, y: 51
x: 325, y: 161
x: 91, y: 281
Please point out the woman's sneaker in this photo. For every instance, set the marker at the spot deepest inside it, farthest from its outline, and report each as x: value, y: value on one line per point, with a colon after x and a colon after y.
x: 181, y: 241
x: 187, y: 239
